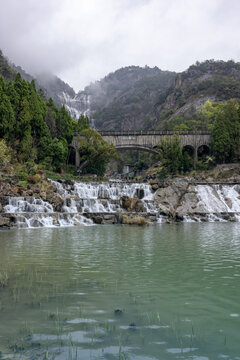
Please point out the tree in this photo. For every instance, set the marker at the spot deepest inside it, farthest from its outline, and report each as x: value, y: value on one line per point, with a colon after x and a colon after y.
x: 23, y: 131
x: 83, y: 123
x: 5, y: 156
x: 225, y: 141
x: 7, y: 120
x: 95, y: 152
x: 57, y: 152
x: 171, y: 154
x: 64, y: 125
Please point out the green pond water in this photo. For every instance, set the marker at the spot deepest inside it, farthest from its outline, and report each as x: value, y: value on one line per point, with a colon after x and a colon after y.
x: 178, y: 286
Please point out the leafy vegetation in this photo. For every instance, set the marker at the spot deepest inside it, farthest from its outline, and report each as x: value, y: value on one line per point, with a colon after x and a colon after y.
x: 180, y: 103
x: 173, y: 160
x: 95, y: 152
x: 39, y: 133
x: 225, y: 124
x: 223, y: 119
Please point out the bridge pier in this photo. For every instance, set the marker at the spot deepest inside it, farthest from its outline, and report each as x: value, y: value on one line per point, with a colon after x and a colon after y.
x: 77, y: 158
x: 76, y: 146
x: 195, y: 157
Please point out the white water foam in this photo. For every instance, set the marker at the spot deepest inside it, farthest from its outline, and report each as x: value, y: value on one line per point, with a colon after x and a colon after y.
x: 78, y: 198
x: 104, y: 197
x: 63, y: 220
x: 31, y: 204
x: 219, y: 198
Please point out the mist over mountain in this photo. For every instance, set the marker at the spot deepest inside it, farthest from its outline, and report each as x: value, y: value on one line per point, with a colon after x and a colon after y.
x: 141, y: 98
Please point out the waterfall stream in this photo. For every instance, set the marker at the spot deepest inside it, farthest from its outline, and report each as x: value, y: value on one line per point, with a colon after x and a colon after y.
x: 219, y: 198
x: 78, y: 199
x: 217, y: 202
x: 81, y: 203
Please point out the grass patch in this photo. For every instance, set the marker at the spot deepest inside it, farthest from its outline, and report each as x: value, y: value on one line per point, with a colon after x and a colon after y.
x: 4, y: 279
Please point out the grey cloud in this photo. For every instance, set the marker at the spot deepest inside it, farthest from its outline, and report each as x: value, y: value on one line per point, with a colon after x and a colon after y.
x: 83, y: 40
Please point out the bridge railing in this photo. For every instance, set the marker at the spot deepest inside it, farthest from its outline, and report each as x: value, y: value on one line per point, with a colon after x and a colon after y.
x: 152, y: 132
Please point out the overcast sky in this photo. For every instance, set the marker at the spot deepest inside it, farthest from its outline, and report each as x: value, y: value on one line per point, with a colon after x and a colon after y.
x: 83, y: 40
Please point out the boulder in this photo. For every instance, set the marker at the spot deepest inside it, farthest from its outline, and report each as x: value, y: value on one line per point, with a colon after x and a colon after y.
x: 125, y: 202
x: 97, y: 219
x: 43, y: 195
x: 69, y: 182
x: 154, y: 187
x: 135, y: 220
x: 138, y: 206
x: 109, y: 219
x: 140, y: 193
x: 57, y: 202
x: 166, y: 199
x: 4, y: 222
x: 104, y: 202
x: 153, y: 181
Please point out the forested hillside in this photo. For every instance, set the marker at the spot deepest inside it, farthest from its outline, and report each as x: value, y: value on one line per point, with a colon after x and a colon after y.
x: 33, y: 131
x: 217, y: 81
x: 132, y: 107
x: 36, y: 130
x: 142, y: 98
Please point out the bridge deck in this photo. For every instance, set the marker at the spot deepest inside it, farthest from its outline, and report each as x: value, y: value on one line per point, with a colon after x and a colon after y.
x: 152, y: 132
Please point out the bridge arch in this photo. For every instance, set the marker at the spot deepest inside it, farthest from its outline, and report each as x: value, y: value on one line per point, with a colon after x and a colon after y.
x: 148, y: 140
x: 203, y: 151
x: 137, y: 147
x: 189, y: 149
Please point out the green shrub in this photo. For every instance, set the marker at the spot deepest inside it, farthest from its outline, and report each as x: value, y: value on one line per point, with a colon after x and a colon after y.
x: 34, y: 179
x: 22, y: 175
x: 24, y: 184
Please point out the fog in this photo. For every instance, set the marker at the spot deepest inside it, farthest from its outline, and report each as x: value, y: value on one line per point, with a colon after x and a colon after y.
x: 83, y: 40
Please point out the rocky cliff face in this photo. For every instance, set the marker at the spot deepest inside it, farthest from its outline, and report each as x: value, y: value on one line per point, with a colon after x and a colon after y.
x: 210, y: 80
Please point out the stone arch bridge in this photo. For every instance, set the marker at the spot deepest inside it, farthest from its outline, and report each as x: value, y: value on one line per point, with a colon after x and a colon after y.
x: 148, y: 141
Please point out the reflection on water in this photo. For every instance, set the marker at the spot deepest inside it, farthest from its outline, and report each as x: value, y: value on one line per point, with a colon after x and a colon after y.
x: 175, y: 288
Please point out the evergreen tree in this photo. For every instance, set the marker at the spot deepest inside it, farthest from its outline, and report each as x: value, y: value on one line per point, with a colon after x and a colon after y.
x: 221, y: 139
x: 58, y: 151
x: 83, y: 123
x: 171, y: 154
x: 7, y: 120
x: 64, y: 125
x: 23, y: 131
x: 51, y: 121
x: 13, y: 96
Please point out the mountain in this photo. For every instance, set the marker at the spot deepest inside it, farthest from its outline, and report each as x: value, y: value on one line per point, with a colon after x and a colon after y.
x: 141, y: 98
x: 124, y: 99
x: 217, y: 81
x: 51, y: 86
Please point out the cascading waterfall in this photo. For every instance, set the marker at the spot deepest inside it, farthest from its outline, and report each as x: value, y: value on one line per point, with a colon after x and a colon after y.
x: 219, y: 198
x: 78, y: 199
x: 103, y: 197
x: 31, y: 204
x: 82, y: 202
x: 217, y: 201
